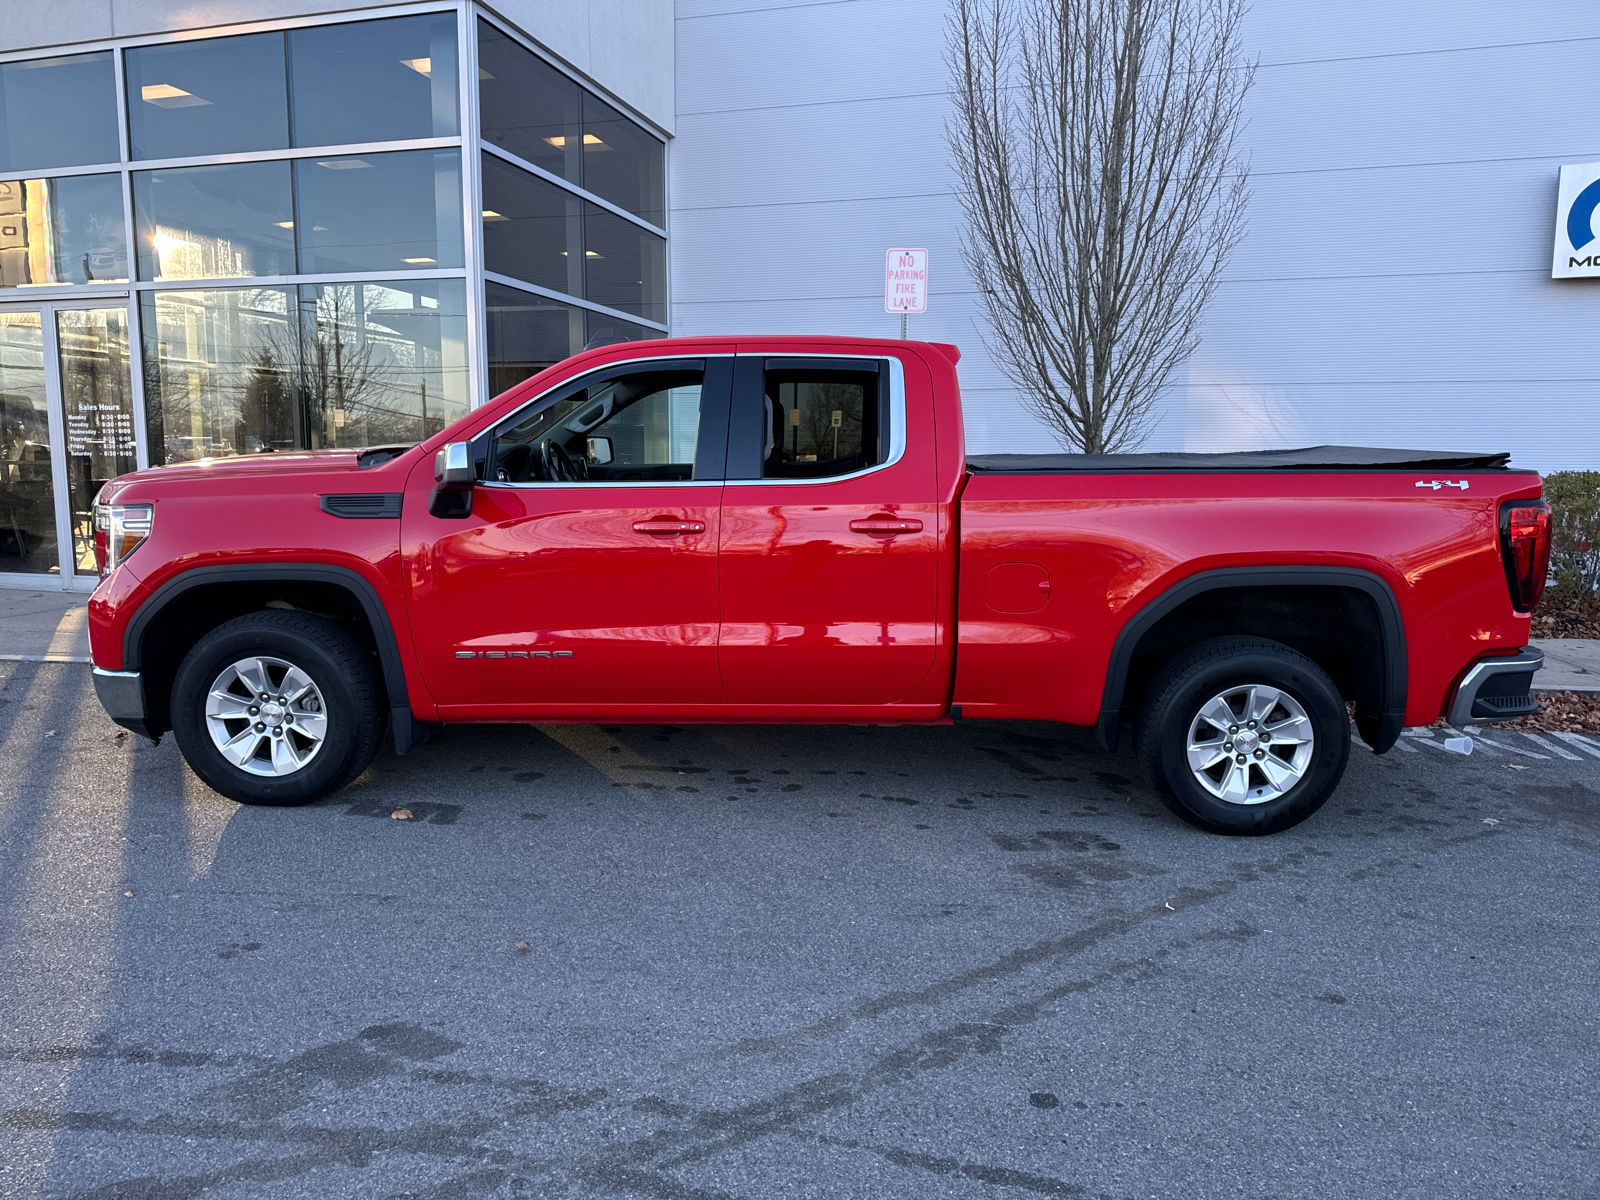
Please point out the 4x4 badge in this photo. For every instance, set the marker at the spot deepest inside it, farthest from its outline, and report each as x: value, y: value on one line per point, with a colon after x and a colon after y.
x: 513, y: 653
x: 1436, y: 484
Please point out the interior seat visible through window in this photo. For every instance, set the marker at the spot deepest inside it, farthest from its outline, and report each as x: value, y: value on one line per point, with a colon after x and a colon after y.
x: 820, y: 421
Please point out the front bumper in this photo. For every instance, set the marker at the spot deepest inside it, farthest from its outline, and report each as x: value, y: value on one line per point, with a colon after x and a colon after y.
x: 121, y: 694
x: 1497, y: 689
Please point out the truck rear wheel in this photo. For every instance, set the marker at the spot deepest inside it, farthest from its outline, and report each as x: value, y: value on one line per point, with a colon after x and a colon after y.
x: 1243, y: 736
x: 277, y: 708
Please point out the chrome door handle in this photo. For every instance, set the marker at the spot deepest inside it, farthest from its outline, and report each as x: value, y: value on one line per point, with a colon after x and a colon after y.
x: 886, y: 526
x: 664, y: 528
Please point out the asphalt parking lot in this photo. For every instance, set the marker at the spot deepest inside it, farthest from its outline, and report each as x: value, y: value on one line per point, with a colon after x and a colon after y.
x: 786, y: 962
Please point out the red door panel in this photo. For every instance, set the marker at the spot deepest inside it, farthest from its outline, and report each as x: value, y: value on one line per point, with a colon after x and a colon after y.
x: 583, y: 595
x: 829, y: 563
x: 814, y: 612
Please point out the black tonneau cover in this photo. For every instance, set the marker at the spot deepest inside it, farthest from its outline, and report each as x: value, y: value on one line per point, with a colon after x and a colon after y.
x: 1308, y: 458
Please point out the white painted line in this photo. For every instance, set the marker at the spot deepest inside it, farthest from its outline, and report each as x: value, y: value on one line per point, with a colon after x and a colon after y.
x: 1513, y: 749
x: 1581, y: 742
x: 1441, y: 748
x: 1550, y: 746
x: 45, y: 658
x: 1400, y: 744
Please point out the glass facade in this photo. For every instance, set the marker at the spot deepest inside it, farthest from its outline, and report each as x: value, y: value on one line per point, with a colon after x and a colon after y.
x: 328, y: 232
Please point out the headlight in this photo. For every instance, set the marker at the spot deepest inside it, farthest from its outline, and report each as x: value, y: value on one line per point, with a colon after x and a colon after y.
x: 118, y: 530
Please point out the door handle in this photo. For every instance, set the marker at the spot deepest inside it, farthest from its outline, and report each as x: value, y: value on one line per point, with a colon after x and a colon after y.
x: 668, y: 528
x: 886, y: 526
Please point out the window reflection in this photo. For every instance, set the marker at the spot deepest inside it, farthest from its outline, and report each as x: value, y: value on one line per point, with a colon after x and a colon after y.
x: 603, y: 330
x: 61, y: 231
x: 623, y: 163
x: 221, y: 372
x: 259, y: 369
x: 216, y: 96
x: 374, y: 81
x: 527, y: 333
x: 625, y: 266
x: 383, y: 362
x: 58, y: 112
x: 97, y: 404
x: 27, y: 493
x: 214, y: 222
x: 532, y: 229
x: 379, y: 212
x: 528, y: 107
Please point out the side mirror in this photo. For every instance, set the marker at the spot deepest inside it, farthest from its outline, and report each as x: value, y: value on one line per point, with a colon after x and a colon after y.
x: 453, y: 465
x: 600, y: 450
x: 451, y: 498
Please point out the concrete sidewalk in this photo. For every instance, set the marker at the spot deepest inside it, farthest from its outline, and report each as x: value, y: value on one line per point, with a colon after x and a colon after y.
x: 50, y: 626
x: 1570, y: 665
x: 44, y: 626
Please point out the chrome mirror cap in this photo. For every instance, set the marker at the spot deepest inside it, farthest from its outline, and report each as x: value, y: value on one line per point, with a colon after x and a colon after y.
x: 453, y: 464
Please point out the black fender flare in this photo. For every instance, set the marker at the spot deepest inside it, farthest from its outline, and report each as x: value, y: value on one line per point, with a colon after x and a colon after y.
x: 408, y: 731
x: 1380, y: 732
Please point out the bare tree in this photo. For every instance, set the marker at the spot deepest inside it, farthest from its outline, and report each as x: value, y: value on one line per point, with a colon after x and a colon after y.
x: 1095, y: 143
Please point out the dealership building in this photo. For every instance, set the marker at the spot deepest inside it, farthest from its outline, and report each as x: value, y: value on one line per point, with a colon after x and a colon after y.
x: 246, y: 226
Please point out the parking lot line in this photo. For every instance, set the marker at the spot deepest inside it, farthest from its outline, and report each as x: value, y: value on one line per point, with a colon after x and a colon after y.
x: 1581, y: 742
x: 1551, y: 746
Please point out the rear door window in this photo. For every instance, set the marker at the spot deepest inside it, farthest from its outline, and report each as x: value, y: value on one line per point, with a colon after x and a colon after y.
x: 821, y: 418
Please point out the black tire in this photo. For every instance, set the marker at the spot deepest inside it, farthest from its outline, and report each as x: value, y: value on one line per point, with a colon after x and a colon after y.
x: 351, y: 700
x: 1173, y: 704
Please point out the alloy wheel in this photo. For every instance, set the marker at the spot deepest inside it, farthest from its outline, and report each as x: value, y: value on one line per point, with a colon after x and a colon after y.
x: 1250, y: 744
x: 266, y: 716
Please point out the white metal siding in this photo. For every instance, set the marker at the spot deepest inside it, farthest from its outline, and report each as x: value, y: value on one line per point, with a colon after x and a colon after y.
x: 1394, y: 288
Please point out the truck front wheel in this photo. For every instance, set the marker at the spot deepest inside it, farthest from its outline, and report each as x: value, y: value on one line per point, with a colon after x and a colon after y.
x: 1243, y: 735
x: 277, y: 708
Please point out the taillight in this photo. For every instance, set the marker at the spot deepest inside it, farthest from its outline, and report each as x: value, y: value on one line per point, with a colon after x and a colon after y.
x: 1525, y: 546
x: 118, y: 530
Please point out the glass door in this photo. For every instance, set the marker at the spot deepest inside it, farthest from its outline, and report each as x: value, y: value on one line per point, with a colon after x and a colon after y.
x: 28, y: 532
x: 66, y: 426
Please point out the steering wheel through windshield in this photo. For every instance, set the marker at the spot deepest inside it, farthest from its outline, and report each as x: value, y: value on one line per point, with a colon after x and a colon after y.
x: 558, y: 464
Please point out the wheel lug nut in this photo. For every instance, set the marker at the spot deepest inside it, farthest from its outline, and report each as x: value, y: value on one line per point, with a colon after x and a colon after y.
x: 1228, y: 746
x: 1233, y: 729
x: 254, y: 710
x: 1241, y: 758
x: 1252, y: 724
x: 1261, y: 753
x: 260, y: 728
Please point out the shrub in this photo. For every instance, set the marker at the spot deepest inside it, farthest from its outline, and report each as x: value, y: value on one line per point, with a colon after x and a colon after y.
x: 1574, y: 498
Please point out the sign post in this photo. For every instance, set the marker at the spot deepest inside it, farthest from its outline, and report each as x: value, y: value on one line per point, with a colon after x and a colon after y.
x: 905, y: 284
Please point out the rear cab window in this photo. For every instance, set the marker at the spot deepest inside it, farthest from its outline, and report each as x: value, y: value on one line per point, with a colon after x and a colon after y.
x: 809, y: 418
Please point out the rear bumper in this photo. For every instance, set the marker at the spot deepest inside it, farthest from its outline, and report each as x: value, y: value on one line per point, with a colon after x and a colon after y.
x: 121, y: 694
x: 1497, y: 689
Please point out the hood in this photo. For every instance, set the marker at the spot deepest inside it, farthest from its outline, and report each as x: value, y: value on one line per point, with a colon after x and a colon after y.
x: 252, y: 466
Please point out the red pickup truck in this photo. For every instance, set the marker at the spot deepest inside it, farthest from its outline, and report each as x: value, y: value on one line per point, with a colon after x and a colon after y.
x: 789, y: 529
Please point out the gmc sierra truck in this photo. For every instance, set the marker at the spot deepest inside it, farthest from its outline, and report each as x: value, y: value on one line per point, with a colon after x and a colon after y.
x: 789, y: 529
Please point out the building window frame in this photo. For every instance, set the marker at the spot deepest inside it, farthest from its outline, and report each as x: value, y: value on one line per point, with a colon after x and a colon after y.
x: 468, y: 143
